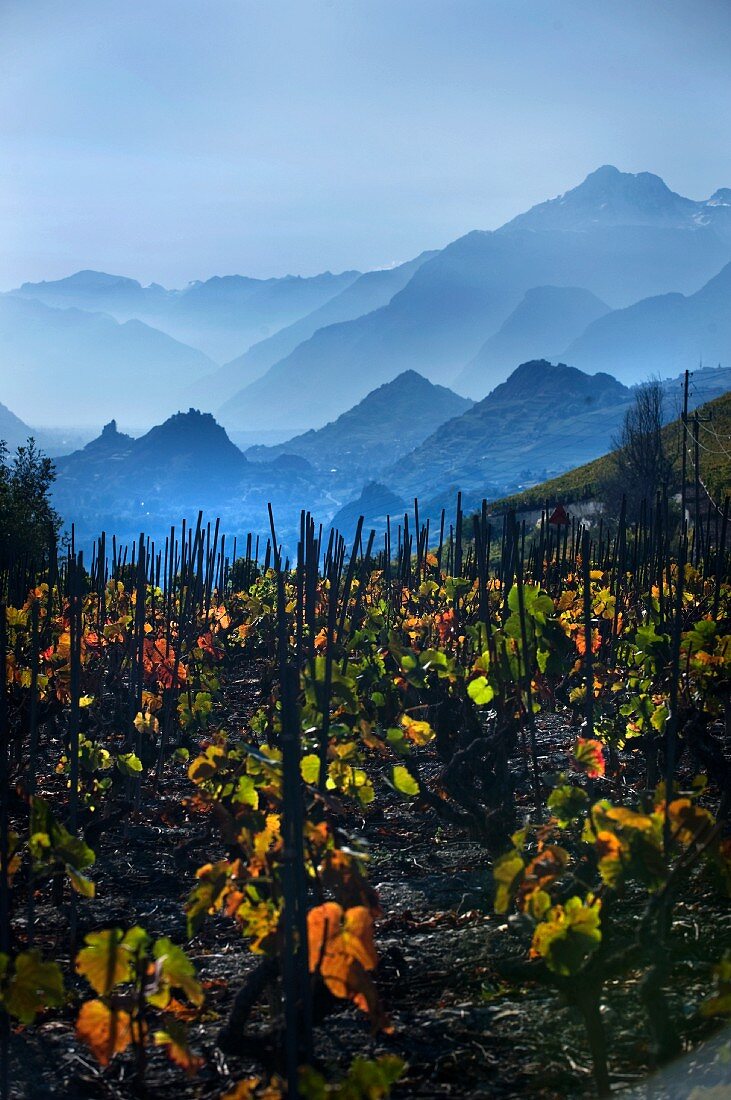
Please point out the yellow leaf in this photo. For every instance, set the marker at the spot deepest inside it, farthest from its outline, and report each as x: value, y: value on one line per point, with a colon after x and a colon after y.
x: 104, y: 962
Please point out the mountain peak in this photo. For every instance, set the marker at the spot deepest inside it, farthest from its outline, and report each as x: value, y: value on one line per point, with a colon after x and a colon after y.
x: 110, y: 440
x: 195, y: 435
x: 541, y: 380
x: 609, y: 196
x: 87, y: 280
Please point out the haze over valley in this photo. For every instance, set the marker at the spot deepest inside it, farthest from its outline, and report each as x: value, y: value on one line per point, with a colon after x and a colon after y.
x: 504, y: 358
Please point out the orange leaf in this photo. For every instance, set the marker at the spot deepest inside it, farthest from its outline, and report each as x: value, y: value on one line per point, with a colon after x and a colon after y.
x: 341, y: 948
x: 106, y: 1033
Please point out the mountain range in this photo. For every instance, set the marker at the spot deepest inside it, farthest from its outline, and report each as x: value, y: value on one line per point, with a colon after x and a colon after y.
x: 617, y: 236
x: 71, y: 367
x: 125, y: 485
x: 588, y: 278
x: 368, y: 292
x: 544, y: 419
x: 388, y: 423
x: 661, y: 335
x: 220, y: 316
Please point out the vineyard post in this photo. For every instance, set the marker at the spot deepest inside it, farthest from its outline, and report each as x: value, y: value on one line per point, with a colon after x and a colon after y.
x: 527, y: 671
x: 684, y: 451
x: 4, y: 782
x: 76, y: 568
x: 720, y: 558
x: 588, y: 663
x: 4, y: 848
x: 295, y: 963
x: 671, y: 728
x: 33, y: 749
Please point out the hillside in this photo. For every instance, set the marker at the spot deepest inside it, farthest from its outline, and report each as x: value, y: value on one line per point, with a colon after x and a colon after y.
x: 385, y: 425
x: 69, y: 367
x: 188, y: 450
x: 541, y: 419
x: 12, y: 429
x: 540, y: 327
x: 583, y: 482
x: 376, y: 504
x: 620, y: 236
x: 220, y: 316
x: 660, y: 334
x: 188, y: 462
x: 370, y: 291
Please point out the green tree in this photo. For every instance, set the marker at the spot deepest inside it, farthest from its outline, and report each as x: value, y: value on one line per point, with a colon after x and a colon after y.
x: 27, y: 517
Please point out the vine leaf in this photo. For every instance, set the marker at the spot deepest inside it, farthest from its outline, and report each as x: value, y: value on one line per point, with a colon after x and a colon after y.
x: 176, y: 971
x: 404, y: 781
x: 588, y: 757
x: 106, y: 960
x: 341, y: 949
x: 105, y: 1031
x: 175, y: 1040
x: 568, y: 935
x: 34, y: 986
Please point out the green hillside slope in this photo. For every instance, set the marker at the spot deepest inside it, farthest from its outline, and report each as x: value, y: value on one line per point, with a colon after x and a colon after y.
x: 583, y: 482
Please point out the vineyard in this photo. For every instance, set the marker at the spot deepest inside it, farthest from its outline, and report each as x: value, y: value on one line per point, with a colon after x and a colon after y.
x: 444, y: 816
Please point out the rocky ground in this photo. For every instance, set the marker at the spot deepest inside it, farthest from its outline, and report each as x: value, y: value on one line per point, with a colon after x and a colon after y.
x: 464, y: 1028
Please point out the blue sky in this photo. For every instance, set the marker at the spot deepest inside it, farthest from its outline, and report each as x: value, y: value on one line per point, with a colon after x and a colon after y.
x: 176, y: 139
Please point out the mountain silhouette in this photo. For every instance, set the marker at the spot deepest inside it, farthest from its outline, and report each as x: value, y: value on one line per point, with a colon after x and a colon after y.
x: 389, y: 422
x: 545, y: 417
x: 541, y: 325
x: 370, y: 291
x: 67, y: 366
x: 220, y: 316
x: 660, y: 335
x: 619, y: 236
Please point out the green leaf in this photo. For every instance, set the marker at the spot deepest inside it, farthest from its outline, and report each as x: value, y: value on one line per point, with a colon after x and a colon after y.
x: 404, y: 781
x: 105, y: 961
x: 81, y: 884
x: 207, y: 895
x: 177, y: 971
x: 568, y: 935
x: 35, y: 986
x: 481, y: 691
x: 246, y: 792
x: 567, y: 803
x: 310, y: 768
x: 129, y: 763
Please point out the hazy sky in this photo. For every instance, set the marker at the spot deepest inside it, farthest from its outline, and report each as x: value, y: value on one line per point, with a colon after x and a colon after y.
x: 176, y: 139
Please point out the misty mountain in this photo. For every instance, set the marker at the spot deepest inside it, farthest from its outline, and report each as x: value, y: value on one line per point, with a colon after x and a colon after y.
x: 610, y: 197
x: 67, y: 366
x: 226, y: 314
x: 542, y: 324
x: 221, y: 316
x: 12, y: 429
x: 620, y: 236
x: 660, y: 335
x: 376, y: 504
x: 98, y: 292
x: 386, y: 424
x: 124, y: 485
x: 543, y: 419
x: 369, y: 291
